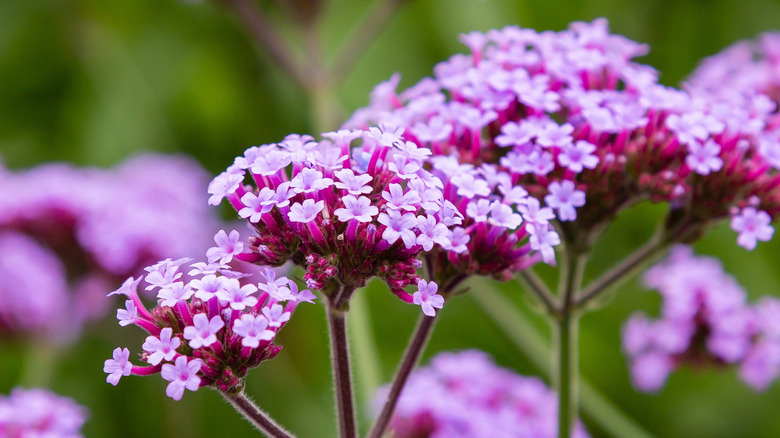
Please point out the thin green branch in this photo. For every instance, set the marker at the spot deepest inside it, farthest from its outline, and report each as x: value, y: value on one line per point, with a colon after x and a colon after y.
x: 527, y: 339
x: 254, y: 415
x: 264, y: 34
x: 567, y: 343
x: 627, y: 268
x: 342, y: 376
x: 410, y: 359
x: 533, y: 283
x: 361, y: 38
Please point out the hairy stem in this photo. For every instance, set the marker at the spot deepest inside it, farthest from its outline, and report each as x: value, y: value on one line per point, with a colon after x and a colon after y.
x: 410, y: 359
x: 254, y: 415
x: 342, y: 376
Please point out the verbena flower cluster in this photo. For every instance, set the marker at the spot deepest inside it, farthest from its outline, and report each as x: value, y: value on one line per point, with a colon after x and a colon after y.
x: 28, y: 413
x: 746, y: 68
x: 69, y: 234
x: 465, y: 395
x: 570, y: 118
x: 211, y: 324
x: 365, y: 203
x: 705, y: 320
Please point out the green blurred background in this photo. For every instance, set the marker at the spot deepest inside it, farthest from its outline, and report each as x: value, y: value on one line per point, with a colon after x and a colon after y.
x: 93, y: 82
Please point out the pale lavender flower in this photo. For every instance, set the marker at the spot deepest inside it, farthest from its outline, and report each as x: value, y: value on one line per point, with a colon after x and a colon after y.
x: 227, y: 247
x: 703, y: 158
x: 252, y: 330
x: 427, y: 298
x: 183, y: 374
x: 578, y: 156
x: 359, y: 208
x: 128, y: 314
x: 752, y: 226
x: 309, y: 181
x: 204, y: 331
x: 172, y: 293
x: 354, y: 185
x: 236, y: 296
x: 398, y: 226
x: 118, y: 366
x: 565, y: 198
x: 305, y: 212
x: 431, y: 232
x: 162, y: 347
x: 276, y: 315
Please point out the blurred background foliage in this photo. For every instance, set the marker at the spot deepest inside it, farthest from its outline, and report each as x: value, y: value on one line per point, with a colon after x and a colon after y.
x: 93, y: 82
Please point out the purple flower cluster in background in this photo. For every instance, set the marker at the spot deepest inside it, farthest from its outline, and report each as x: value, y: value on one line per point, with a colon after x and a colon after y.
x: 210, y: 326
x: 27, y: 413
x: 748, y: 67
x: 465, y: 395
x: 704, y: 320
x: 68, y: 234
x: 567, y: 116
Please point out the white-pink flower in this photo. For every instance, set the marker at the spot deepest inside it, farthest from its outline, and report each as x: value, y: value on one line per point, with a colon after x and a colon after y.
x: 181, y: 375
x: 752, y: 226
x: 359, y: 209
x: 564, y: 197
x: 204, y: 332
x: 162, y: 348
x: 252, y: 330
x: 427, y: 298
x: 118, y: 366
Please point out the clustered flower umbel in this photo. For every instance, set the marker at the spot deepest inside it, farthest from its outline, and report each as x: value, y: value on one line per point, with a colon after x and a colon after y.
x: 747, y: 67
x: 348, y: 212
x: 69, y: 234
x: 40, y: 413
x: 569, y: 117
x: 210, y: 326
x: 705, y: 320
x: 465, y: 395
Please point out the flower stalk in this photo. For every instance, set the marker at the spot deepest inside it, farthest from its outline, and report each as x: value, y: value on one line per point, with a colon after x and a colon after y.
x: 254, y: 415
x: 420, y: 337
x: 567, y: 342
x: 342, y: 374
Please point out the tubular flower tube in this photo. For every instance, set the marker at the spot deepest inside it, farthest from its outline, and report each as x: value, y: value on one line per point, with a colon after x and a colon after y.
x: 210, y: 325
x: 570, y: 118
x: 69, y: 234
x: 345, y: 213
x: 705, y: 320
x: 40, y: 413
x: 465, y: 395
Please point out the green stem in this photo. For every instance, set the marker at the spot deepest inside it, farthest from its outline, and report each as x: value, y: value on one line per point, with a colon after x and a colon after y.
x: 627, y: 268
x: 254, y: 415
x: 410, y: 359
x: 533, y: 283
x: 567, y: 345
x: 527, y: 338
x: 342, y: 376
